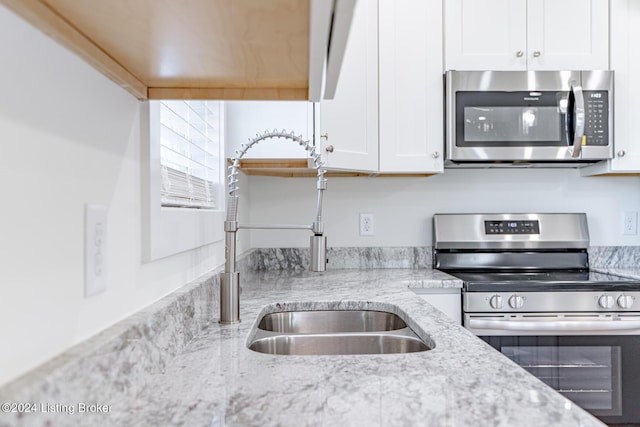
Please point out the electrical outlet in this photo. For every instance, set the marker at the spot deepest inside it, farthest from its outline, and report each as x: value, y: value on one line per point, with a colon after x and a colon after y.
x: 95, y: 223
x: 630, y: 223
x: 366, y: 224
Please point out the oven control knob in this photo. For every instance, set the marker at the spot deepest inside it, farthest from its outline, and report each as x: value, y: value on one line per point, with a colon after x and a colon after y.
x: 606, y: 301
x: 625, y: 301
x: 495, y: 302
x: 516, y: 301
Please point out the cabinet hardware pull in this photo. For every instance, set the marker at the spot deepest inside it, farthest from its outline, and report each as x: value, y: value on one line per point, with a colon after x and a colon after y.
x: 329, y: 149
x: 621, y: 153
x: 435, y: 154
x: 519, y: 54
x: 536, y: 53
x: 325, y: 136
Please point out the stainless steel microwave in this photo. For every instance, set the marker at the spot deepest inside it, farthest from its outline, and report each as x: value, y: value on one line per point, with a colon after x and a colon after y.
x: 528, y: 118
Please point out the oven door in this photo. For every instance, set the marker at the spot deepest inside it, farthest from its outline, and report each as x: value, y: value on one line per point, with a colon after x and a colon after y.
x: 596, y: 369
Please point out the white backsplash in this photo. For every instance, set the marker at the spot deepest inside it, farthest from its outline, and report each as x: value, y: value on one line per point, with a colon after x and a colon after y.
x: 403, y: 207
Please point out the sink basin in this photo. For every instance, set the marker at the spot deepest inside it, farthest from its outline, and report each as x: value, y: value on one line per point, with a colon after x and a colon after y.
x: 335, y: 344
x: 329, y: 321
x: 335, y: 332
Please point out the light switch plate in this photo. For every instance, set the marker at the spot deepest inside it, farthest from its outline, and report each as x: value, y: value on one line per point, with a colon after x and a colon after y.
x: 95, y: 227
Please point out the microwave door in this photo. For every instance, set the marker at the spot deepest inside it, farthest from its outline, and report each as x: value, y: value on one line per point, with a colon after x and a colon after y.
x: 575, y: 118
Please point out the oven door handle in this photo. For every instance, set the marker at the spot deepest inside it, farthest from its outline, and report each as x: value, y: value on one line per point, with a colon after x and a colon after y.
x: 556, y: 325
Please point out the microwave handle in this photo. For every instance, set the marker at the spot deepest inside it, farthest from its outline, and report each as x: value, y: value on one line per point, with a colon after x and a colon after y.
x: 578, y: 118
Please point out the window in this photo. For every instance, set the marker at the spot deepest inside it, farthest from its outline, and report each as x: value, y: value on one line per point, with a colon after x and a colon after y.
x: 190, y: 153
x: 183, y: 183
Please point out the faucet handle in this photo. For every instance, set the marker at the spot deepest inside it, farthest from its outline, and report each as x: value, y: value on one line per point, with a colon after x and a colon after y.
x: 318, y: 252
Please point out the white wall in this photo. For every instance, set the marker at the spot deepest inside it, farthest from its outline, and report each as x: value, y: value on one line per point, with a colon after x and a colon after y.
x: 244, y: 119
x: 69, y: 136
x: 403, y: 207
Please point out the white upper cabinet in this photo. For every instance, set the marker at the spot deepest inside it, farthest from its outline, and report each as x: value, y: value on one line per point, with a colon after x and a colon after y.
x: 625, y: 61
x: 526, y: 34
x: 411, y: 113
x: 568, y: 34
x: 347, y: 126
x: 485, y: 34
x: 387, y: 115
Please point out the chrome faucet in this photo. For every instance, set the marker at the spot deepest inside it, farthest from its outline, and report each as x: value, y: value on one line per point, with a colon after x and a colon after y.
x: 230, y: 281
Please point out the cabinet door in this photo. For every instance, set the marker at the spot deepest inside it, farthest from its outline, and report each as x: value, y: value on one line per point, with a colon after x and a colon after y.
x: 348, y: 126
x: 485, y: 34
x: 411, y: 131
x: 568, y: 34
x: 448, y: 301
x: 625, y: 61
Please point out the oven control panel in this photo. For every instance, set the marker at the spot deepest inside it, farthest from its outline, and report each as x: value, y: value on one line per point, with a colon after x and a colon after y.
x: 589, y: 301
x: 512, y: 227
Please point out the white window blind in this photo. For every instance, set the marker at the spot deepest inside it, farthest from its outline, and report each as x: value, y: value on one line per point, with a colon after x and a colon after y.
x: 190, y: 146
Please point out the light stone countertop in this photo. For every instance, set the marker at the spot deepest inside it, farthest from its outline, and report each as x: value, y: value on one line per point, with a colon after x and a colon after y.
x: 172, y: 364
x: 218, y: 381
x: 628, y: 273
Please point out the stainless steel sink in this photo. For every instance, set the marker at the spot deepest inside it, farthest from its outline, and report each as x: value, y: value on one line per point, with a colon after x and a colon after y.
x: 311, y: 322
x: 335, y: 332
x: 334, y: 344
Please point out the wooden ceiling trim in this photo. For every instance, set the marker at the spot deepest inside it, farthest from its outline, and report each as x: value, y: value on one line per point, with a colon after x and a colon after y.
x: 49, y: 22
x: 239, y: 94
x: 261, y: 48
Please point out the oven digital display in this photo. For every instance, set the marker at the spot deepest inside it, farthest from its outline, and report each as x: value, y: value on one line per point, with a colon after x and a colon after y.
x: 512, y: 227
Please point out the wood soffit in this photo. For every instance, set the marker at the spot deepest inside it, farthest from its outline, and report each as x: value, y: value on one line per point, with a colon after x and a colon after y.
x: 189, y: 49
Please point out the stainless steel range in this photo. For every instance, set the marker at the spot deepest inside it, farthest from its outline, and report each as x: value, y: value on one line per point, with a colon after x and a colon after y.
x: 529, y: 293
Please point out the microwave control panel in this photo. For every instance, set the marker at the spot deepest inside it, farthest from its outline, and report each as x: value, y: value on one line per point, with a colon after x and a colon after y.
x: 512, y: 227
x: 596, y: 126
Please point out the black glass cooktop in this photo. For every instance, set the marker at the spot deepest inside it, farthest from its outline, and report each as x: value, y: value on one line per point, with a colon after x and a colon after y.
x: 539, y: 281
